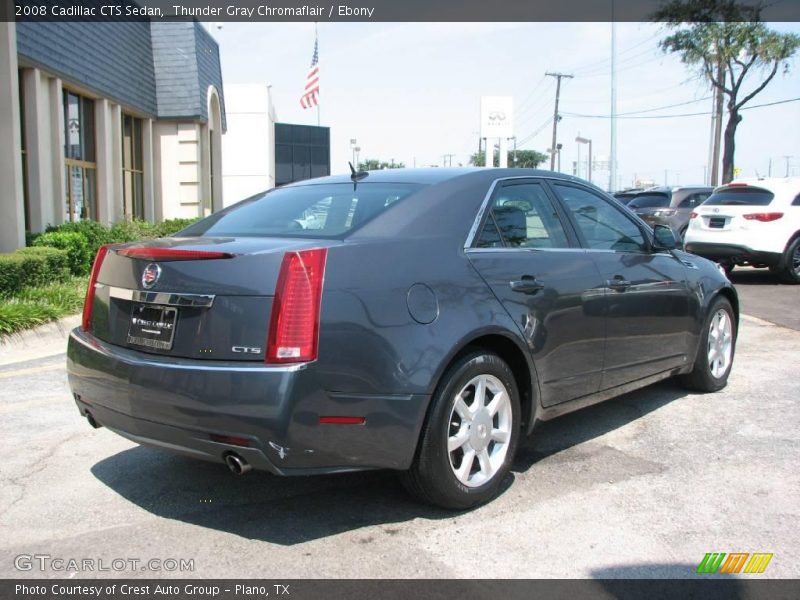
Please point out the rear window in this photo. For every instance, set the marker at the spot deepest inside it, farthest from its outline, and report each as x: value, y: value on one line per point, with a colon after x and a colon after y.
x: 313, y: 211
x: 745, y: 196
x: 649, y: 201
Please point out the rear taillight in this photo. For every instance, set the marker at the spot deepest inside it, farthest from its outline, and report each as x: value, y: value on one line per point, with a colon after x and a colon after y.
x: 694, y: 215
x: 167, y: 254
x: 294, y: 324
x: 763, y: 217
x: 88, y: 303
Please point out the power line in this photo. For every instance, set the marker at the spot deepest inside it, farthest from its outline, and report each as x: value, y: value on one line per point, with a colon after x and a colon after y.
x: 697, y: 114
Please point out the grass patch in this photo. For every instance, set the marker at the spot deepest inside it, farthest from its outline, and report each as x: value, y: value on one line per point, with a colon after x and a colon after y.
x: 31, y: 307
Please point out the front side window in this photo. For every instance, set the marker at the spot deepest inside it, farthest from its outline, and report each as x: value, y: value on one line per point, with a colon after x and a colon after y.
x: 326, y: 210
x: 132, y: 167
x: 79, y: 157
x: 604, y: 227
x: 522, y: 216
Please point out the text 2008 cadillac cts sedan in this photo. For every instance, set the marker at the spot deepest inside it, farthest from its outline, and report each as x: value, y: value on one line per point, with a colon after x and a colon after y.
x: 418, y: 320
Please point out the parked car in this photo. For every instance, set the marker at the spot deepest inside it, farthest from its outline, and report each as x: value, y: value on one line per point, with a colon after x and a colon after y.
x: 427, y: 321
x: 626, y: 196
x: 753, y: 222
x: 670, y: 206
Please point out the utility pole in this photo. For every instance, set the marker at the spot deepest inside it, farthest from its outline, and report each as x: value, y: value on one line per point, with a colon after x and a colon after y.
x: 447, y: 160
x: 787, y: 157
x: 612, y: 167
x: 553, y: 149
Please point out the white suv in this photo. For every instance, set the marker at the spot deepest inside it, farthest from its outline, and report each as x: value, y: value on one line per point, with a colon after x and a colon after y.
x: 750, y: 222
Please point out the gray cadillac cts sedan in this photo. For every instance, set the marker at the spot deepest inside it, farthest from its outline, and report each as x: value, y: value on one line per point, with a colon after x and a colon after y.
x: 417, y: 320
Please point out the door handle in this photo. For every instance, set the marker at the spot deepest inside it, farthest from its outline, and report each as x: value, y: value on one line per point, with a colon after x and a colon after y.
x: 526, y: 285
x: 618, y: 283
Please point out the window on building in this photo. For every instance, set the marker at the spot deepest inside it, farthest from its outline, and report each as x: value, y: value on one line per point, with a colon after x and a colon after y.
x: 132, y: 167
x: 24, y: 152
x: 79, y: 155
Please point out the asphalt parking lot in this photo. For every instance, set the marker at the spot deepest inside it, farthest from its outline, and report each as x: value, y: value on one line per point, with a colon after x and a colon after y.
x: 641, y: 486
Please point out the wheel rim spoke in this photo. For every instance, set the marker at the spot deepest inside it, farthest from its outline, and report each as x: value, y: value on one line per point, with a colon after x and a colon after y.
x: 501, y: 436
x: 466, y: 465
x: 494, y: 405
x: 457, y: 441
x: 487, y: 470
x: 462, y: 410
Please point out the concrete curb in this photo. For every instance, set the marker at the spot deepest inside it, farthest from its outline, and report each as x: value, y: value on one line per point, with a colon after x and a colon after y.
x: 46, y: 340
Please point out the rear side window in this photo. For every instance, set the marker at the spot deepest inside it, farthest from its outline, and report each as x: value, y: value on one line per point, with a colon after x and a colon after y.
x: 313, y: 211
x: 796, y: 201
x: 522, y: 216
x: 693, y: 200
x: 649, y: 201
x: 745, y: 196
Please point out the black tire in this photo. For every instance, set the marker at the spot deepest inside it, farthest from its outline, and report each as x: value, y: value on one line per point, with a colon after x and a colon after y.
x: 432, y: 478
x: 682, y: 232
x: 791, y: 263
x: 701, y: 377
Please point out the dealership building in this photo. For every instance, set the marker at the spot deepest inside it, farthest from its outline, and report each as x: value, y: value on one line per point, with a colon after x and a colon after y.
x: 107, y: 121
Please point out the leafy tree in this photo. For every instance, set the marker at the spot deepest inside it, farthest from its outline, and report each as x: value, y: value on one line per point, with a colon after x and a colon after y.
x: 731, y: 47
x: 526, y: 159
x: 373, y: 164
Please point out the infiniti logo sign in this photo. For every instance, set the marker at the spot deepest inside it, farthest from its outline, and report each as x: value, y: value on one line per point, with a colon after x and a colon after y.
x: 150, y: 275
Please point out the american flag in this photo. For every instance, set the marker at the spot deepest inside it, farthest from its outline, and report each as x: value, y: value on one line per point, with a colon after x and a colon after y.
x: 311, y: 91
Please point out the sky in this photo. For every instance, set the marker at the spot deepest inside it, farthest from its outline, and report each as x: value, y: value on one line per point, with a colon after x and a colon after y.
x: 411, y: 92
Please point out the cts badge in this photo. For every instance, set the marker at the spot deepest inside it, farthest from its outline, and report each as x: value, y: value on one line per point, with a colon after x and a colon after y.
x: 246, y: 350
x: 150, y: 275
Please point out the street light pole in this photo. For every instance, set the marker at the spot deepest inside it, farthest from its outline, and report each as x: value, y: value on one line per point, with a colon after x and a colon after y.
x: 583, y: 140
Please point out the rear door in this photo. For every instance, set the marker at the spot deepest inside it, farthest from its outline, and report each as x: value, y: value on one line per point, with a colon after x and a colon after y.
x: 647, y: 298
x: 529, y: 256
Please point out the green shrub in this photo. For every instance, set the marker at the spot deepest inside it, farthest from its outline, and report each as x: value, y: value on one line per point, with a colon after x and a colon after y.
x: 56, y: 261
x: 29, y: 267
x: 95, y: 234
x: 173, y: 226
x: 132, y: 231
x: 79, y: 254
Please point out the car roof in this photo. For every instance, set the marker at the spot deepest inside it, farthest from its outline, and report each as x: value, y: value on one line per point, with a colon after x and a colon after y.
x: 777, y: 185
x: 437, y: 175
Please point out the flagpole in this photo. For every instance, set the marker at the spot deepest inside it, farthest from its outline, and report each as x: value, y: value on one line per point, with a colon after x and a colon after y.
x: 316, y: 39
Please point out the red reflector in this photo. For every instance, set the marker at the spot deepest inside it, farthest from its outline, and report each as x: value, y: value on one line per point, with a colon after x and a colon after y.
x: 694, y: 215
x: 88, y: 303
x: 229, y: 439
x: 763, y: 217
x: 165, y: 254
x: 294, y: 323
x: 737, y: 185
x: 342, y: 420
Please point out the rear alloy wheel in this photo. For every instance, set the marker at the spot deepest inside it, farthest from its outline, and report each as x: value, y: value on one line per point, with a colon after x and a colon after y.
x: 470, y: 438
x: 791, y: 261
x: 715, y: 353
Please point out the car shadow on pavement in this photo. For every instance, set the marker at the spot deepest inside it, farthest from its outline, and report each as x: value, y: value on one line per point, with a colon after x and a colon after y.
x: 293, y: 510
x: 568, y: 431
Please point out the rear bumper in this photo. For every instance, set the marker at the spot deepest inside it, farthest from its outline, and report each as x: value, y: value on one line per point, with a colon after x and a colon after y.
x: 734, y: 253
x: 183, y: 406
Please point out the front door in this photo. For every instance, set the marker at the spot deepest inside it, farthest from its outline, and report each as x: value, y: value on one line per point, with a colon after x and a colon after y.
x: 647, y: 294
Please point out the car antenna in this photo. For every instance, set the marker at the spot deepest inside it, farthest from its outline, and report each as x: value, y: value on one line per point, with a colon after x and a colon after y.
x: 356, y: 176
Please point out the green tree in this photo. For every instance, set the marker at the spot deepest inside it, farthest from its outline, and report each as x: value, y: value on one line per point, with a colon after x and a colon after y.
x: 732, y: 49
x: 526, y: 159
x: 373, y: 164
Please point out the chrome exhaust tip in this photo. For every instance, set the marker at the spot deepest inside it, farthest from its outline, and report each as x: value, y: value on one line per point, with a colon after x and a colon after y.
x: 237, y: 464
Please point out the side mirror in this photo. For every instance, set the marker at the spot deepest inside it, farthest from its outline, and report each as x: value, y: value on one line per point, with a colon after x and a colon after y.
x: 665, y: 239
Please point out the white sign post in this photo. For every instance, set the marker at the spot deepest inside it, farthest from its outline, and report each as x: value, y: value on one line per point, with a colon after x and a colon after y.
x: 497, y: 123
